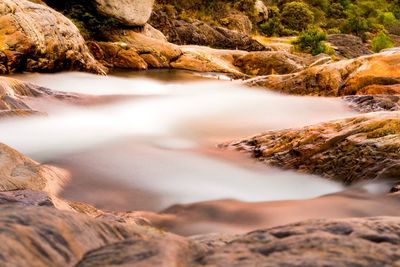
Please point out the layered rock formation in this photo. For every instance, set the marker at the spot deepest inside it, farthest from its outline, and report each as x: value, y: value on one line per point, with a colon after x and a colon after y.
x: 36, y: 38
x: 374, y: 74
x: 350, y: 150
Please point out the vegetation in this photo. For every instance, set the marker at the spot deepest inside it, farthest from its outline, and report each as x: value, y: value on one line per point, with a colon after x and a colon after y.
x: 381, y: 41
x: 337, y: 16
x: 297, y: 16
x: 312, y: 41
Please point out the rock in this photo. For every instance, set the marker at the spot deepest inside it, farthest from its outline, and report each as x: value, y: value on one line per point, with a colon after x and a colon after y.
x: 117, y: 55
x: 205, y: 59
x: 162, y: 53
x: 374, y: 74
x: 129, y: 12
x: 18, y: 172
x: 373, y: 103
x: 262, y: 11
x: 200, y: 33
x: 14, y: 95
x: 237, y: 21
x: 39, y: 236
x: 349, y: 150
x: 348, y: 46
x: 42, y: 236
x: 349, y: 242
x: 37, y: 38
x: 266, y: 63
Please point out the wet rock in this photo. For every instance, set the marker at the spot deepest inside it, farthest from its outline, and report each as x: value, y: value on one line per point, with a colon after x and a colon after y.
x: 37, y: 38
x: 348, y: 46
x: 373, y: 103
x: 129, y: 12
x: 367, y: 75
x: 350, y: 150
x: 14, y: 95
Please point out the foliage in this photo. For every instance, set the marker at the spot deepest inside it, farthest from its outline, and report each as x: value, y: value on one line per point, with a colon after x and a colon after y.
x: 381, y: 41
x: 312, y: 41
x: 297, y: 16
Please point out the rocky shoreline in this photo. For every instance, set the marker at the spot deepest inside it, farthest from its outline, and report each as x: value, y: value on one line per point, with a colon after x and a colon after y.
x: 38, y: 228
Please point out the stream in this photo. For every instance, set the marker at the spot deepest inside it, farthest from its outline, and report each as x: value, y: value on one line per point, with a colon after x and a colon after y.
x: 155, y: 145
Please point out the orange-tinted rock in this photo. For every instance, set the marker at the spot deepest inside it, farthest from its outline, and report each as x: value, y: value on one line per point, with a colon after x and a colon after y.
x: 349, y: 150
x: 378, y: 73
x: 36, y: 38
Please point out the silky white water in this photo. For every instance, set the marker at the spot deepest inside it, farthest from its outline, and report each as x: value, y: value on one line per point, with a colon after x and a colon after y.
x: 152, y: 149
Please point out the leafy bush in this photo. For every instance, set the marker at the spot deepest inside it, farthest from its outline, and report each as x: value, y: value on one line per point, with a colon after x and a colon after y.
x: 297, y: 16
x: 381, y: 41
x: 312, y: 41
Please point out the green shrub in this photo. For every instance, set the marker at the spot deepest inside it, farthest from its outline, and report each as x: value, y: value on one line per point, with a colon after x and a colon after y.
x: 381, y: 41
x: 312, y: 41
x: 297, y: 16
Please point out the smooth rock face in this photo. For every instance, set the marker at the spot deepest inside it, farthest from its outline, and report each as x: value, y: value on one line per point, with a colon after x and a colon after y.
x: 367, y: 75
x: 34, y: 37
x: 350, y: 150
x: 129, y: 12
x: 18, y: 172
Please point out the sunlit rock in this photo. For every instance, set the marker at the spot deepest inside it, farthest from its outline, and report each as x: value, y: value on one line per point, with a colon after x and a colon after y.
x: 349, y: 150
x: 33, y: 37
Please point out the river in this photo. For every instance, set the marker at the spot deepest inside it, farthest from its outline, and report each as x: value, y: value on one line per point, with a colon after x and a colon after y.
x: 155, y: 144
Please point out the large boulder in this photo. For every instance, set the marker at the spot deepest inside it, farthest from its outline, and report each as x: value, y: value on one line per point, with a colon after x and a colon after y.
x: 349, y: 150
x: 348, y: 46
x: 129, y: 12
x: 36, y: 38
x: 374, y: 74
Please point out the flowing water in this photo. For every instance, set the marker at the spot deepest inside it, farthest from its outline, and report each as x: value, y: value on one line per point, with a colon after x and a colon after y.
x: 155, y: 146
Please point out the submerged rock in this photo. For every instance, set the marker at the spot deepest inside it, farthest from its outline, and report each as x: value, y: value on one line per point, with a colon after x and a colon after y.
x: 349, y: 150
x: 36, y: 38
x: 367, y: 75
x: 14, y: 95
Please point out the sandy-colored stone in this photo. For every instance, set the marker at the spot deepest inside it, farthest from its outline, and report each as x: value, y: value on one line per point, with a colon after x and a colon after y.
x: 34, y: 37
x: 374, y: 74
x: 129, y: 12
